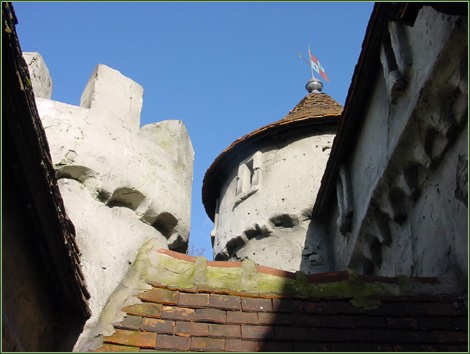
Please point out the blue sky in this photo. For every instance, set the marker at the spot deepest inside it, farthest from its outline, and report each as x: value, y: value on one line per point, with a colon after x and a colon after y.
x: 223, y: 68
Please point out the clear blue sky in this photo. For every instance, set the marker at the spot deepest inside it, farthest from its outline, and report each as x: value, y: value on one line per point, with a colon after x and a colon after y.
x: 223, y: 68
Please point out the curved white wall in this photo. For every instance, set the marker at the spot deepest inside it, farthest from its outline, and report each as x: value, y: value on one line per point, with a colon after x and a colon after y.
x: 270, y: 225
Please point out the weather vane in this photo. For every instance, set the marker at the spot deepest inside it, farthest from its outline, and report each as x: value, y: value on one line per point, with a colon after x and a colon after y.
x: 314, y: 65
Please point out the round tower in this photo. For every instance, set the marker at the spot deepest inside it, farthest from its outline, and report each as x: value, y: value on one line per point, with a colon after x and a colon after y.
x: 259, y: 192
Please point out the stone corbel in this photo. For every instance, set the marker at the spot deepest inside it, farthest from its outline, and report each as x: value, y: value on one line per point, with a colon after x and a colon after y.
x: 345, y: 201
x: 394, y: 79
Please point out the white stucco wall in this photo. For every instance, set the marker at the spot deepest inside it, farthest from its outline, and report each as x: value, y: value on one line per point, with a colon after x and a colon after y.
x: 122, y: 184
x: 408, y: 169
x: 270, y: 226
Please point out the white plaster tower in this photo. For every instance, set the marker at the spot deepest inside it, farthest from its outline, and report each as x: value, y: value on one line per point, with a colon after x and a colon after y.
x: 260, y: 191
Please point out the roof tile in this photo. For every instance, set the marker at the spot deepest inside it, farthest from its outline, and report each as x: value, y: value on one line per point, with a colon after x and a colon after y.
x: 277, y: 347
x: 181, y: 344
x: 189, y: 319
x: 255, y: 305
x: 281, y: 305
x: 274, y: 318
x: 145, y: 309
x: 162, y: 296
x: 178, y: 313
x: 337, y: 322
x: 257, y: 332
x: 441, y: 309
x: 129, y: 322
x: 207, y: 344
x: 237, y: 345
x: 132, y: 338
x: 291, y: 333
x: 224, y: 331
x: 187, y: 329
x: 226, y: 302
x: 320, y: 308
x: 193, y: 300
x: 159, y: 326
x: 210, y: 315
x: 117, y: 348
x: 243, y: 317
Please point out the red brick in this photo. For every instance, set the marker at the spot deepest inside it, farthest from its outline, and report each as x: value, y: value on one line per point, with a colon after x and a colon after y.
x: 257, y: 305
x: 117, y: 348
x: 160, y: 296
x: 257, y: 332
x: 193, y: 300
x: 451, y: 337
x: 242, y: 317
x: 236, y: 345
x: 132, y: 338
x: 225, y: 331
x: 319, y: 308
x: 291, y: 333
x: 187, y: 329
x: 210, y: 315
x: 178, y: 313
x: 290, y: 306
x: 159, y: 326
x: 129, y: 322
x: 207, y: 344
x: 445, y: 309
x: 225, y: 302
x: 144, y: 310
x: 173, y: 343
x: 276, y: 347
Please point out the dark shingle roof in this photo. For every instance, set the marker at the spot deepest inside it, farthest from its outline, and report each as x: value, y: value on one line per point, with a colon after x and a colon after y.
x: 27, y: 145
x: 208, y: 318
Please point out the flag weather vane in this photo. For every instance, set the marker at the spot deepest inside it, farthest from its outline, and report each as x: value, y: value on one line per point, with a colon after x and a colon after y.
x: 315, y: 65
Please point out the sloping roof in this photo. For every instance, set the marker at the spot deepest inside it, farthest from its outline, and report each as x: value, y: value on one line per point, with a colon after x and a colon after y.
x: 26, y: 144
x: 196, y: 305
x: 314, y: 110
x: 314, y: 105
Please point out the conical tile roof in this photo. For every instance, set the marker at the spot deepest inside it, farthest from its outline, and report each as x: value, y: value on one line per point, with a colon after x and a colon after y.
x: 314, y: 105
x: 316, y: 108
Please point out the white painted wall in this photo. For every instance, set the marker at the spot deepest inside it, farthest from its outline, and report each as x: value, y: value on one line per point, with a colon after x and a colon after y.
x: 270, y: 225
x: 122, y: 184
x: 426, y: 130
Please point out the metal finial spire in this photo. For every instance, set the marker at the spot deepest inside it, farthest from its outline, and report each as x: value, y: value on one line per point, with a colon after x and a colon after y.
x: 314, y: 85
